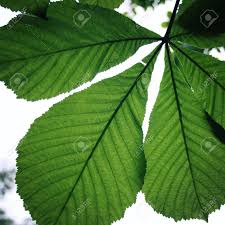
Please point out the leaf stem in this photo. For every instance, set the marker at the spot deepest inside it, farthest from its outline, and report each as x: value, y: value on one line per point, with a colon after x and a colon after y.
x: 167, y: 35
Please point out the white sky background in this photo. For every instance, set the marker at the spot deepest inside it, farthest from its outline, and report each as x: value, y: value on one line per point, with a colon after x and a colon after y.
x: 17, y: 116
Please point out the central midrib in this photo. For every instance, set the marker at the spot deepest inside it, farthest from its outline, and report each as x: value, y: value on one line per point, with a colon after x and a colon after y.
x: 80, y: 47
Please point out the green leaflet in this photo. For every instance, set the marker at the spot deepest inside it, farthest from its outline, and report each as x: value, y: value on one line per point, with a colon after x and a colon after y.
x: 206, y: 76
x: 111, y: 4
x: 43, y: 58
x: 37, y: 7
x: 185, y: 176
x: 82, y: 162
x: 200, y: 23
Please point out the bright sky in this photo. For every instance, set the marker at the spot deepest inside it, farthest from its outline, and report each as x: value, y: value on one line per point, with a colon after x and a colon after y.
x: 17, y: 115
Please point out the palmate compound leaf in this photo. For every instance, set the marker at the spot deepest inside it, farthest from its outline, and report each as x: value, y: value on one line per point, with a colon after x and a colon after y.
x: 111, y: 4
x: 206, y: 76
x: 82, y: 162
x: 200, y: 23
x: 37, y: 7
x: 74, y: 136
x: 185, y: 175
x: 43, y: 58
